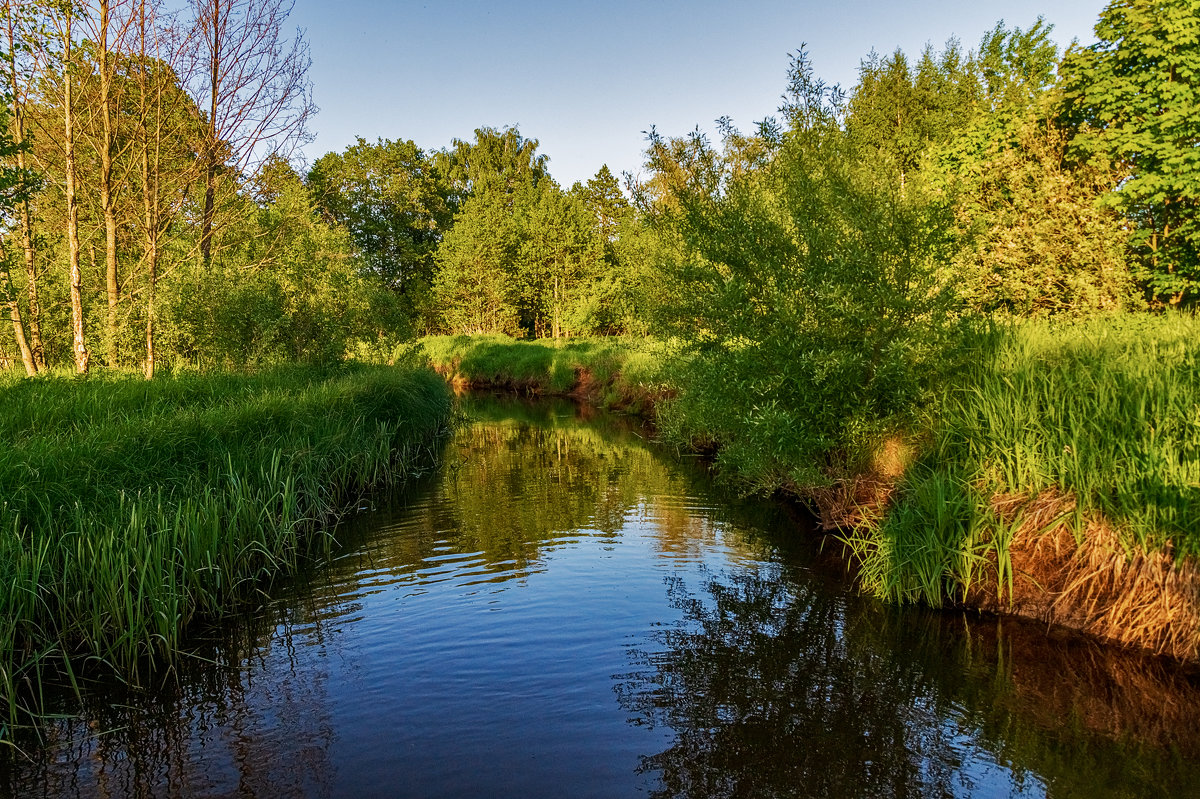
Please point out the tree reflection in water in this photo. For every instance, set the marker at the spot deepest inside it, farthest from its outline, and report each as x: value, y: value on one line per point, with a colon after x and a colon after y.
x: 774, y: 689
x: 775, y: 681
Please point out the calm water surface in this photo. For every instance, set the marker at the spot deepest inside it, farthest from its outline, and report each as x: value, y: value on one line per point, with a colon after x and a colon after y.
x: 565, y: 610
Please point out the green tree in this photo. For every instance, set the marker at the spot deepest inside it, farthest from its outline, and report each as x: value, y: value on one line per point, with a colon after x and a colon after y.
x: 603, y: 197
x: 1134, y: 96
x: 558, y: 260
x: 291, y: 287
x: 1037, y: 241
x: 496, y: 156
x: 812, y: 294
x: 16, y: 184
x: 475, y: 287
x: 395, y: 203
x: 899, y: 112
x: 1017, y: 66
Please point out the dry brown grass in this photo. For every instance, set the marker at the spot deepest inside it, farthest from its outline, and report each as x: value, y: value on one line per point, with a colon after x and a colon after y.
x: 1093, y: 582
x: 851, y: 501
x: 865, y: 496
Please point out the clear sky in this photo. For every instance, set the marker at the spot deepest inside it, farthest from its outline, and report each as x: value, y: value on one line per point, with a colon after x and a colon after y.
x: 586, y: 78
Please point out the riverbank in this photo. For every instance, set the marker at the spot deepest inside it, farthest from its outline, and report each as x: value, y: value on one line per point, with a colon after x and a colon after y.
x: 1053, y: 476
x: 1059, y: 479
x: 615, y: 374
x: 132, y: 508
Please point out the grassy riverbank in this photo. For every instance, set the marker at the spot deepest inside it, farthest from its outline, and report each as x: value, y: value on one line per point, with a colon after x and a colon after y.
x: 610, y: 373
x: 1060, y: 478
x: 131, y: 508
x: 1054, y: 473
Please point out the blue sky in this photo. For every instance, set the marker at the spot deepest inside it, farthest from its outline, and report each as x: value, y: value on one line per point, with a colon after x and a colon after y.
x: 586, y: 78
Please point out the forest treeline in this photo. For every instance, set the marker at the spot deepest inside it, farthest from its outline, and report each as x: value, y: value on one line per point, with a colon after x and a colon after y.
x: 152, y: 209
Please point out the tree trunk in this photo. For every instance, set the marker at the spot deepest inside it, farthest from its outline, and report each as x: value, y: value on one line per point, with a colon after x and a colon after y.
x: 153, y: 222
x: 14, y: 311
x: 107, y: 201
x: 79, y: 347
x: 206, y: 224
x: 210, y: 167
x: 152, y: 264
x: 555, y: 325
x: 25, y: 216
x: 35, y: 307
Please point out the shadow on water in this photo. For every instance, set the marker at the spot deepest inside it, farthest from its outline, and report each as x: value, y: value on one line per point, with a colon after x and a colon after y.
x: 564, y: 610
x: 773, y: 689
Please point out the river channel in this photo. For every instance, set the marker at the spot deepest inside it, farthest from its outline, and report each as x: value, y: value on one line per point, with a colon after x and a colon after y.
x: 565, y: 609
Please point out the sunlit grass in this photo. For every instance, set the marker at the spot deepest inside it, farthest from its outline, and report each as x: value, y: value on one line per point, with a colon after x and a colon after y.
x: 1106, y: 412
x: 131, y: 508
x: 612, y: 371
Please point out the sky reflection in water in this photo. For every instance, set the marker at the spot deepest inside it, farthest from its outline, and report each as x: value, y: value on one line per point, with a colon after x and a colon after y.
x: 564, y: 611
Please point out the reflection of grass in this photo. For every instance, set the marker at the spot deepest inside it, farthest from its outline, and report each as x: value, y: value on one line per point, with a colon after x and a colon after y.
x: 766, y: 684
x: 607, y: 372
x: 130, y: 508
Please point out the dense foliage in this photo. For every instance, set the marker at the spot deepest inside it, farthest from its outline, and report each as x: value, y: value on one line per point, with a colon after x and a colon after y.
x: 819, y: 284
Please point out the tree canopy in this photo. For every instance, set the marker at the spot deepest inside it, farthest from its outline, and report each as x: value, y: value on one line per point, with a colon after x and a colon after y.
x: 1134, y: 96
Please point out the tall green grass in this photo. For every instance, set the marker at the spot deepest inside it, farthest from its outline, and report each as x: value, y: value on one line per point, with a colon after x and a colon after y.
x: 620, y: 371
x: 1106, y: 410
x: 129, y: 508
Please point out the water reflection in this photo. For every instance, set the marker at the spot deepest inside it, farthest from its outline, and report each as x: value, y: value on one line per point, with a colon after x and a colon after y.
x: 463, y: 641
x: 774, y: 689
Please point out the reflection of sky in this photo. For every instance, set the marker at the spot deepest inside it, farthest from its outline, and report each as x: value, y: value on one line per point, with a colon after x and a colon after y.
x: 586, y: 78
x: 418, y: 663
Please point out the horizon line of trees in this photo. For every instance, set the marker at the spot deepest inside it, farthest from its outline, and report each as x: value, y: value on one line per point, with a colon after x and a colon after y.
x: 1066, y: 183
x: 148, y: 203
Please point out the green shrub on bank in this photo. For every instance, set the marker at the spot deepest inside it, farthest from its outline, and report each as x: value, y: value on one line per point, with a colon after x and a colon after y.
x: 1106, y: 411
x: 131, y: 507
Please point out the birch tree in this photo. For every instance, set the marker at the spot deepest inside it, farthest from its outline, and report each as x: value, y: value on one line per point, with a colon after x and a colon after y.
x: 62, y: 19
x: 251, y: 79
x: 107, y: 23
x: 21, y: 37
x: 165, y: 123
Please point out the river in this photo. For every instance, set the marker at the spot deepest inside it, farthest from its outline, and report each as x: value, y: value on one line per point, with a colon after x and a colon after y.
x: 564, y: 609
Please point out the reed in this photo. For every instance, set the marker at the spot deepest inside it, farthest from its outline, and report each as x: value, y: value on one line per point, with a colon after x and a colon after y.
x: 132, y: 508
x: 1061, y: 459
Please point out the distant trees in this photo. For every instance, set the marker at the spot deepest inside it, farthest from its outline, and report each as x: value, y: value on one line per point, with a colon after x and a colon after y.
x: 496, y: 156
x: 899, y: 113
x: 476, y: 288
x: 523, y: 258
x: 396, y: 203
x: 1134, y: 99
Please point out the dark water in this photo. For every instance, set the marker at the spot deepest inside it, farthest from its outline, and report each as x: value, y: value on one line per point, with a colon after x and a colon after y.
x: 563, y: 610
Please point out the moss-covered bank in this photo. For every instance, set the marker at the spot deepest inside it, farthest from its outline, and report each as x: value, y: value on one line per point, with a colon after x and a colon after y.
x: 622, y: 374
